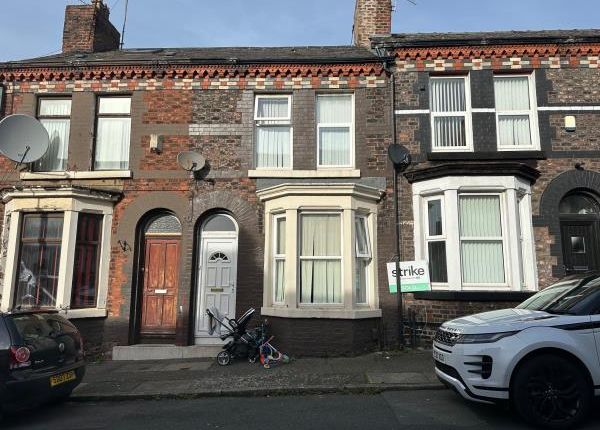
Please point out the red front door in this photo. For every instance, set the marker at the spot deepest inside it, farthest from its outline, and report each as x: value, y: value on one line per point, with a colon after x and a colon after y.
x: 161, y: 282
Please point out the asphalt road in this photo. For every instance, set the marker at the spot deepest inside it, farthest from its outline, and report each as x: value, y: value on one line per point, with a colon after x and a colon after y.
x: 391, y: 410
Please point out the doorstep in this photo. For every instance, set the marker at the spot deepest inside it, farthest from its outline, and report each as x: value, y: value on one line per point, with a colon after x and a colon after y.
x: 163, y: 352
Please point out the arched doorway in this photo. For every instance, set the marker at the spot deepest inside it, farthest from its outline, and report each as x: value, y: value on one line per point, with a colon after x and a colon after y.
x: 580, y: 231
x: 160, y: 277
x: 217, y: 273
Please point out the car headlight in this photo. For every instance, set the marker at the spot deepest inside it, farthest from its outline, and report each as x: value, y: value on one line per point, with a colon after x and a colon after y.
x: 484, y: 337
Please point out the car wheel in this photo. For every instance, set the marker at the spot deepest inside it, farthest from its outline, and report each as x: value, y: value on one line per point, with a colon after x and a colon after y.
x: 223, y: 358
x: 550, y: 391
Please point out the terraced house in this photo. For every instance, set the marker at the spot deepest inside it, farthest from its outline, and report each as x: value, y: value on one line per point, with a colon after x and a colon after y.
x: 293, y: 212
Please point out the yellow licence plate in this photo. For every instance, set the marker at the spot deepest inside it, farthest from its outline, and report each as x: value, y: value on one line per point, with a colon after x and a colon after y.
x: 62, y: 378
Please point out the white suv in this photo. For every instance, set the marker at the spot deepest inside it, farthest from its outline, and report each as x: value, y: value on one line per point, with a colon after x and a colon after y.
x: 543, y: 355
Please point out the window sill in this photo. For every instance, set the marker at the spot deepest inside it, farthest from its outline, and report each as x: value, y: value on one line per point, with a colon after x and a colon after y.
x: 84, y: 313
x: 98, y: 174
x: 506, y: 154
x: 333, y: 173
x: 321, y: 313
x: 474, y: 296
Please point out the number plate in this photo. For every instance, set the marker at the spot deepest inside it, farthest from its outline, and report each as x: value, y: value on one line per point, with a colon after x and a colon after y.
x: 439, y: 356
x: 62, y: 378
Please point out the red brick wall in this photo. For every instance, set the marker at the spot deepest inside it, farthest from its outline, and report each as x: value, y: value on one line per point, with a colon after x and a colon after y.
x: 168, y: 107
x: 87, y: 29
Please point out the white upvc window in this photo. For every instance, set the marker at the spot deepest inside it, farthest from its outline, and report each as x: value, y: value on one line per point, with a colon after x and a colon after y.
x: 516, y: 117
x: 451, y: 122
x: 324, y: 268
x: 113, y: 133
x: 279, y: 233
x: 55, y: 116
x: 476, y: 233
x: 273, y: 131
x: 335, y: 130
x: 363, y: 259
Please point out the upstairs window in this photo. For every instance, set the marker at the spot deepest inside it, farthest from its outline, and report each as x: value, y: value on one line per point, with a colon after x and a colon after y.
x: 272, y: 118
x: 335, y: 130
x: 113, y: 132
x: 516, y: 121
x: 55, y: 116
x: 451, y: 113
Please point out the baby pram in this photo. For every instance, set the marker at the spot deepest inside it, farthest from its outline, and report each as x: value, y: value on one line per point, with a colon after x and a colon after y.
x: 243, y: 344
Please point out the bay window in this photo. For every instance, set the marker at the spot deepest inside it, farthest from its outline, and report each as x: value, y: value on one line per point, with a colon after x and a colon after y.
x: 475, y: 232
x: 113, y: 133
x: 319, y: 251
x: 516, y: 119
x: 55, y: 116
x: 335, y: 130
x: 272, y: 118
x: 57, y: 258
x: 450, y: 101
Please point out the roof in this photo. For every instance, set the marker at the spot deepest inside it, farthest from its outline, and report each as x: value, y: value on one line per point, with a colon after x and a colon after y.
x: 207, y: 56
x: 489, y: 38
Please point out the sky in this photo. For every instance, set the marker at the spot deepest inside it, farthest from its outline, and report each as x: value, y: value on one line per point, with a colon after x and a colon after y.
x: 32, y: 28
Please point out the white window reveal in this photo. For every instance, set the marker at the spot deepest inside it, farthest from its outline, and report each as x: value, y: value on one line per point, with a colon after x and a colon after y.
x: 272, y: 118
x: 516, y: 119
x: 113, y: 133
x: 363, y: 259
x: 55, y: 116
x: 451, y: 113
x: 279, y: 259
x: 320, y: 253
x: 335, y: 130
x: 476, y: 232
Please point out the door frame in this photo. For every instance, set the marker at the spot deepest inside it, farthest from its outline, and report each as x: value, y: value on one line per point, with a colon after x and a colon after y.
x: 199, y: 250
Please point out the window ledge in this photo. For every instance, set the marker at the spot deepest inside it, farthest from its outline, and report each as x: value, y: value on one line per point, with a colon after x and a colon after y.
x: 98, y: 174
x: 325, y: 173
x: 474, y: 296
x: 85, y: 313
x: 321, y: 313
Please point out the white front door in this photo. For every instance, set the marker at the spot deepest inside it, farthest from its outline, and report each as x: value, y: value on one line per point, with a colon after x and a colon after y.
x: 217, y: 284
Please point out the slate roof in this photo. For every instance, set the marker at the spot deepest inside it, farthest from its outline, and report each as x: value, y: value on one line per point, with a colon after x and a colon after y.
x: 489, y: 38
x: 212, y: 56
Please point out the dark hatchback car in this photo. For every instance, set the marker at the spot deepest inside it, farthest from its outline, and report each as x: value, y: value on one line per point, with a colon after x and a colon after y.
x: 41, y: 358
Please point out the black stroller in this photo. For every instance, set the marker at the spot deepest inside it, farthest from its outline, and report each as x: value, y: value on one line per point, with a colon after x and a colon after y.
x: 243, y: 344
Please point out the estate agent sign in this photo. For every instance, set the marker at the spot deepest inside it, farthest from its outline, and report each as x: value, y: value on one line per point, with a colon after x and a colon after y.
x: 414, y: 276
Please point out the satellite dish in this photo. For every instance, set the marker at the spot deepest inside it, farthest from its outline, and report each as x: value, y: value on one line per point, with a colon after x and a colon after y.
x: 191, y: 161
x: 23, y: 138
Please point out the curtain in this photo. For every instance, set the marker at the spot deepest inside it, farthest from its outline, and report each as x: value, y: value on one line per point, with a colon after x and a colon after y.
x: 481, y: 239
x: 321, y: 259
x: 512, y: 95
x: 334, y: 116
x: 280, y: 260
x: 272, y: 107
x: 57, y: 154
x: 448, y: 96
x: 273, y: 146
x: 55, y: 107
x: 112, y: 144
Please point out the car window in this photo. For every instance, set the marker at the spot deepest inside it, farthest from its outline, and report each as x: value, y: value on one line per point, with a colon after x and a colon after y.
x: 549, y: 295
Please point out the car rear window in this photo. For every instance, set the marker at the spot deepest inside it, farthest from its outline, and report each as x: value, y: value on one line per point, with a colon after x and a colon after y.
x: 31, y: 327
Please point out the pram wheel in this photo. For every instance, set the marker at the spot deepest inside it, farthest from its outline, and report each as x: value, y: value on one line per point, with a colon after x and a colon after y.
x: 223, y: 358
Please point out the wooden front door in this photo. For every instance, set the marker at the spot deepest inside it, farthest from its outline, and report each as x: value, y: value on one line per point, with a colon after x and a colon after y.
x: 580, y: 245
x: 161, y: 284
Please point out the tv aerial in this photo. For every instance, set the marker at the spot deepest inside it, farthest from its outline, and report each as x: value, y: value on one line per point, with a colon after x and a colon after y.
x: 191, y: 161
x: 23, y: 139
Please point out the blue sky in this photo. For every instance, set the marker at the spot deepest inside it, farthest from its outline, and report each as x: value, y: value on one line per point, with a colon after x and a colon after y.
x: 176, y: 23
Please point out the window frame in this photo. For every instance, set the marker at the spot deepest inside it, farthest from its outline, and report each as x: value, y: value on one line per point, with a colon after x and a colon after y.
x: 100, y: 116
x: 41, y: 117
x: 99, y: 245
x: 300, y: 257
x: 278, y: 257
x: 502, y: 239
x: 534, y: 132
x: 435, y: 238
x: 368, y: 257
x: 351, y: 126
x: 280, y: 122
x: 467, y: 114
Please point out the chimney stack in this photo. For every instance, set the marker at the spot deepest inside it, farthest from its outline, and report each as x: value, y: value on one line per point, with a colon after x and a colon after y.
x: 371, y: 17
x: 88, y: 29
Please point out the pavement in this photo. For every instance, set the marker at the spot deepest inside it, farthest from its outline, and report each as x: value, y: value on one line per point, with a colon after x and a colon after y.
x: 198, y: 378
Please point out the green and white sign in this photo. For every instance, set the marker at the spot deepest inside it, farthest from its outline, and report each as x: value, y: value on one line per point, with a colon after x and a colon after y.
x: 414, y: 276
